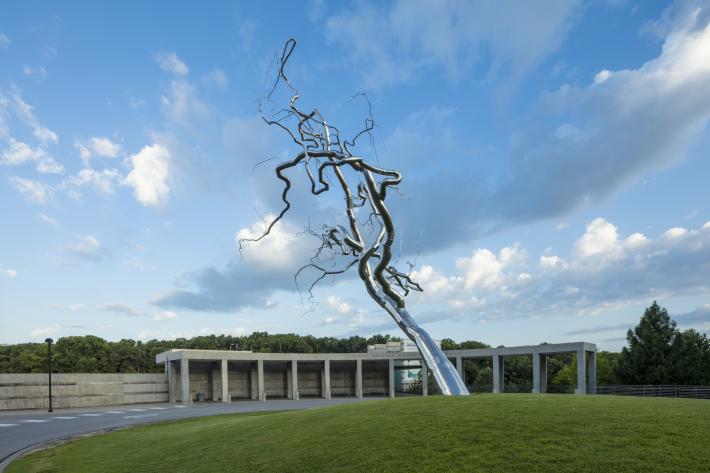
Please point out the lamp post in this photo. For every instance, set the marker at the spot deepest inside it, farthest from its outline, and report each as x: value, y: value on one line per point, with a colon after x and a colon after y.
x: 49, y: 370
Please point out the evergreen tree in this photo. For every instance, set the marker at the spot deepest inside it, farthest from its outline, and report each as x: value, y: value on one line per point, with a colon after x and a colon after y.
x: 649, y: 357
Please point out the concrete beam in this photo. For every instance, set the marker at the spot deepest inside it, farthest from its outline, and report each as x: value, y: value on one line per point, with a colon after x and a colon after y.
x: 225, y: 381
x: 498, y: 374
x: 391, y: 377
x: 294, y: 380
x: 185, y: 381
x: 358, y: 378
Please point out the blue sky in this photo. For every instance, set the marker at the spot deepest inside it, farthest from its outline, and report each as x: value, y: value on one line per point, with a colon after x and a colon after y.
x: 554, y: 158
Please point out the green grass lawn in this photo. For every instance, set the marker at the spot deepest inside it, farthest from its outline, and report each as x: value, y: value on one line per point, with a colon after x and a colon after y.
x: 481, y: 433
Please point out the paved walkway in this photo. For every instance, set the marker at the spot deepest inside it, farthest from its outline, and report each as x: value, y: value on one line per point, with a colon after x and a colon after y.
x: 22, y: 429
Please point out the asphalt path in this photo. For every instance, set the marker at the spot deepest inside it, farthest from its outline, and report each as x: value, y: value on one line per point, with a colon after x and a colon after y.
x: 22, y: 430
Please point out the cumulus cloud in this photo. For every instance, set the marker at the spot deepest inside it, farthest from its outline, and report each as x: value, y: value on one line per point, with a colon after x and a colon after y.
x: 603, y: 270
x: 103, y: 182
x: 149, y: 176
x: 263, y: 268
x: 170, y: 62
x: 33, y: 191
x: 390, y: 44
x: 19, y: 153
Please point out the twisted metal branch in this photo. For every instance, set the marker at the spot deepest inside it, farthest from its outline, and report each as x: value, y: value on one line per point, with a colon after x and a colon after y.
x: 324, y: 154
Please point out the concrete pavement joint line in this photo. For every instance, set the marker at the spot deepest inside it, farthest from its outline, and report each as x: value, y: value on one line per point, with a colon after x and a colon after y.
x: 34, y: 421
x: 8, y: 425
x: 136, y: 410
x: 115, y: 412
x: 91, y: 415
x: 64, y: 417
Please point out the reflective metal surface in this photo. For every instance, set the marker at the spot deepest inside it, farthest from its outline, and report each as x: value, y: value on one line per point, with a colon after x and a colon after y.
x: 367, y: 243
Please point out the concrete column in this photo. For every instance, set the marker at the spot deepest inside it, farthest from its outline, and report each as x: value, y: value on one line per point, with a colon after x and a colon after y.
x: 536, y: 373
x: 260, y: 380
x: 391, y: 376
x: 185, y: 381
x: 294, y: 379
x: 172, y: 379
x: 425, y: 379
x: 498, y: 374
x: 581, y: 373
x: 358, y: 378
x: 225, y: 381
x: 216, y: 376
x: 253, y: 382
x: 543, y: 373
x: 592, y: 371
x: 459, y: 367
x: 326, y: 379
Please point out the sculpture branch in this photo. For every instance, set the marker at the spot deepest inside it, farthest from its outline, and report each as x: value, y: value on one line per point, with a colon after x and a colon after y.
x: 324, y: 155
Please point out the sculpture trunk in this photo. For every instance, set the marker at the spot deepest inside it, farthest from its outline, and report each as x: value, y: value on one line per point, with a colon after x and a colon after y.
x: 444, y: 372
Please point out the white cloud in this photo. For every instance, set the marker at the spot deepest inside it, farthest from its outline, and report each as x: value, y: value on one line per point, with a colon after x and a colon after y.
x: 675, y: 232
x: 217, y: 78
x: 33, y: 191
x: 149, y: 176
x: 337, y: 304
x: 26, y: 114
x: 279, y: 251
x: 122, y: 309
x: 103, y: 146
x: 170, y: 62
x: 47, y: 219
x: 103, y: 181
x: 641, y: 270
x: 8, y: 272
x: 20, y: 153
x: 88, y: 247
x: 38, y: 72
x: 389, y: 45
x: 552, y: 262
x: 165, y: 315
x: 44, y: 331
x: 4, y: 41
x: 182, y: 106
x: 601, y: 240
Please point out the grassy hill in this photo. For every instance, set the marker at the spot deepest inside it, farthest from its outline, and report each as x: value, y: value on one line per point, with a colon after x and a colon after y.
x: 482, y: 433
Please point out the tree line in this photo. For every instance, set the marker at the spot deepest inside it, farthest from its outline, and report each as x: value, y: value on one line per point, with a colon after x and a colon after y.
x: 656, y: 353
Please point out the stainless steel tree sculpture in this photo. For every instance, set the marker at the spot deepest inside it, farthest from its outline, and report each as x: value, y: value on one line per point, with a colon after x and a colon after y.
x: 323, y: 154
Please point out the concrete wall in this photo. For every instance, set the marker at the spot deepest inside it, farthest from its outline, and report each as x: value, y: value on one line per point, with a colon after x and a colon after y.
x: 310, y: 379
x: 342, y: 378
x: 375, y: 378
x: 30, y: 391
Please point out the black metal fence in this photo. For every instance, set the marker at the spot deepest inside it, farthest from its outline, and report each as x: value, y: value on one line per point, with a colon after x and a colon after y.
x: 664, y: 390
